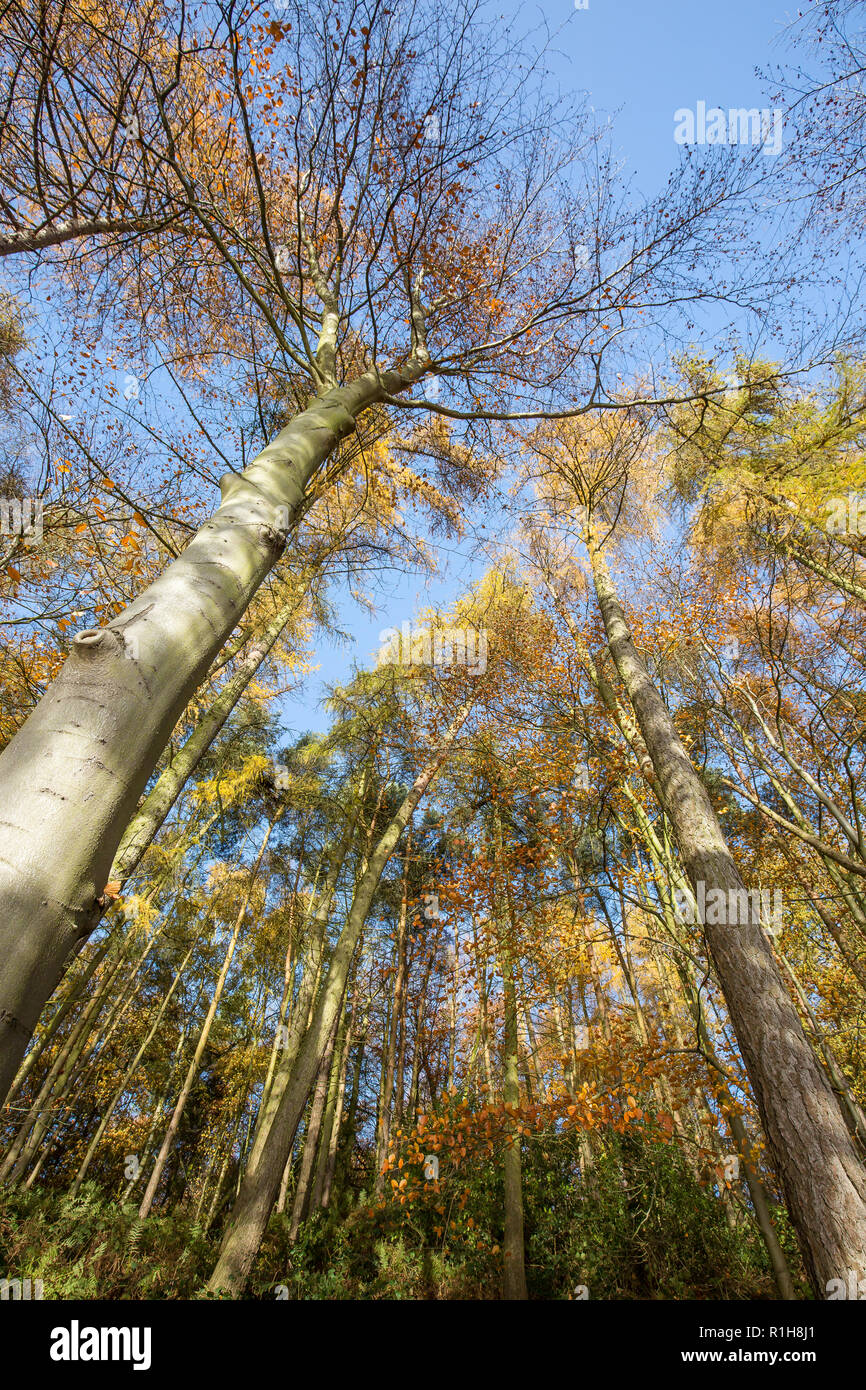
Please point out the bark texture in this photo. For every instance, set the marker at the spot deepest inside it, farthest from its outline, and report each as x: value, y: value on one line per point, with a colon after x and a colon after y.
x: 821, y: 1173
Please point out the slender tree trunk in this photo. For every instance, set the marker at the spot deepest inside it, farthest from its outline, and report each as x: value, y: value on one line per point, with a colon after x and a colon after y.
x: 129, y: 1073
x: 514, y: 1269
x: 415, y: 1082
x: 821, y: 1173
x: 481, y: 966
x: 453, y: 1016
x: 283, y: 1197
x: 313, y: 959
x: 304, y: 1188
x: 383, y: 1137
x: 155, y: 1117
x: 328, y: 1162
x: 195, y: 1064
x: 261, y: 1181
x: 288, y: 973
x: 345, y: 1161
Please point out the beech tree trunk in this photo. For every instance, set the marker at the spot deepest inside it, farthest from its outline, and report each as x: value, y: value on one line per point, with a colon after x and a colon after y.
x: 72, y: 776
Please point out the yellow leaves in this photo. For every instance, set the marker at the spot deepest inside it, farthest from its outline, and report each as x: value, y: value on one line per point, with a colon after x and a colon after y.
x: 233, y: 787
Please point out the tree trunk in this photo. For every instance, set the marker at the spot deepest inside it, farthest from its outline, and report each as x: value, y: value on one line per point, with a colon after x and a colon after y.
x: 514, y: 1269
x: 383, y: 1137
x: 193, y: 1069
x: 304, y: 1189
x: 71, y: 778
x: 821, y: 1173
x: 302, y: 1012
x: 331, y: 1135
x: 129, y: 1073
x: 262, y: 1178
x: 157, y: 1113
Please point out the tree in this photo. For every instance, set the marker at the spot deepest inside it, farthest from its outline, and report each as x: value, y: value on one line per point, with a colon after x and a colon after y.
x: 799, y: 1111
x: 365, y: 252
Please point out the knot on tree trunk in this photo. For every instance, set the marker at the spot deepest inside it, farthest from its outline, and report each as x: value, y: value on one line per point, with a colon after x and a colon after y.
x: 274, y: 537
x: 97, y: 641
x: 8, y: 1020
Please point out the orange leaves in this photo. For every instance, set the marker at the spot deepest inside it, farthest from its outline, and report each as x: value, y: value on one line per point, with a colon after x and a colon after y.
x: 632, y: 1111
x: 110, y: 893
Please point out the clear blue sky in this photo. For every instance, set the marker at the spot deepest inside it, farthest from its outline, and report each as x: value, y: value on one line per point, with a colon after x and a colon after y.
x: 638, y: 62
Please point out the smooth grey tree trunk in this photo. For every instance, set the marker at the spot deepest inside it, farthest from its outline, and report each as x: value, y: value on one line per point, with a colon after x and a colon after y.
x: 72, y: 776
x: 150, y: 816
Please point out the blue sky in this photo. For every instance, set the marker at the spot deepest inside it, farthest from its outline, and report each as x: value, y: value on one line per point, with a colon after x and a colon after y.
x: 638, y: 62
